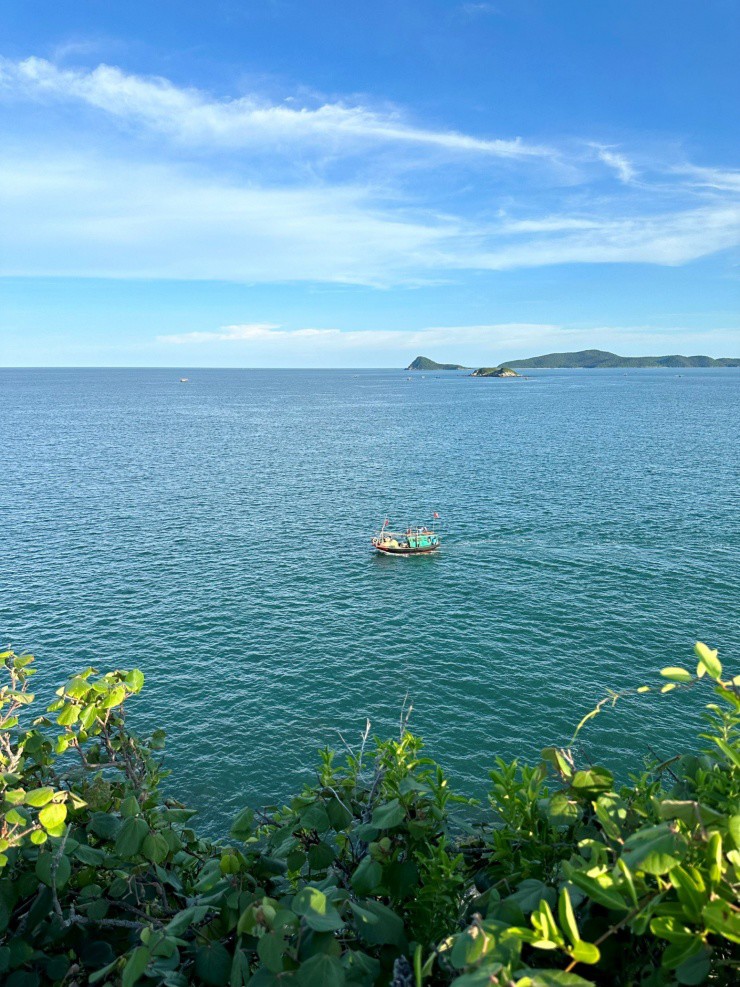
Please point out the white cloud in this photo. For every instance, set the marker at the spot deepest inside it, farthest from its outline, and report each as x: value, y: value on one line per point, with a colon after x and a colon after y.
x: 338, y: 340
x: 473, y: 345
x: 723, y: 180
x: 252, y: 332
x: 85, y: 216
x: 624, y: 168
x: 193, y: 117
x: 90, y: 216
x: 237, y: 217
x: 668, y: 238
x: 477, y: 9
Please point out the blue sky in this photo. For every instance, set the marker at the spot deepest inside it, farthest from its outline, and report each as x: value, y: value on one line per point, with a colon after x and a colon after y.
x: 295, y: 183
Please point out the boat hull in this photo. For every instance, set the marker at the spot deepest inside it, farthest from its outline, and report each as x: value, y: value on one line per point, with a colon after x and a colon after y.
x: 406, y: 551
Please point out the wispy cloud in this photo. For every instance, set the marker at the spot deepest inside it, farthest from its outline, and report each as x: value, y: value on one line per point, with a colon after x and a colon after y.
x: 478, y: 9
x: 722, y: 180
x: 471, y: 344
x: 90, y: 216
x: 338, y: 339
x: 209, y: 204
x: 191, y: 116
x: 624, y: 168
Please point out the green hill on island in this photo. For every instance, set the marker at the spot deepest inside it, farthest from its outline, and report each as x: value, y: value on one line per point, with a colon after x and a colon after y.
x: 424, y: 363
x: 590, y: 359
x: 495, y: 372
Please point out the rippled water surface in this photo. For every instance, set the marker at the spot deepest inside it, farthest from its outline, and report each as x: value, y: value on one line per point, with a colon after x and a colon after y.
x: 216, y: 535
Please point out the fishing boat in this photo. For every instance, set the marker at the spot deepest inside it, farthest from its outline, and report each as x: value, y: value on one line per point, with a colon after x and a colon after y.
x: 184, y: 380
x: 415, y: 540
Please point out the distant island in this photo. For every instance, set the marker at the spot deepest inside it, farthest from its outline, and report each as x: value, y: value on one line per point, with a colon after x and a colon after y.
x: 601, y: 359
x: 424, y: 363
x: 581, y: 360
x: 495, y: 372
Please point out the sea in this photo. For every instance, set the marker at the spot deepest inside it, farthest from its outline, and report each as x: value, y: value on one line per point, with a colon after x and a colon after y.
x: 216, y: 535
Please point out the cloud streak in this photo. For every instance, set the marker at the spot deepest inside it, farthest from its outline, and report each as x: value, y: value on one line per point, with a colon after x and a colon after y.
x: 472, y: 344
x: 91, y: 216
x: 190, y: 116
x: 232, y: 212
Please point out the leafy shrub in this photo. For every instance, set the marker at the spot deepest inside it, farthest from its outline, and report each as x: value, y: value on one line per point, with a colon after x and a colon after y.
x: 375, y: 874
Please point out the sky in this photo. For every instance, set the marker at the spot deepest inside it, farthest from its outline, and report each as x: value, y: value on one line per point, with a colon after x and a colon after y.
x: 292, y: 183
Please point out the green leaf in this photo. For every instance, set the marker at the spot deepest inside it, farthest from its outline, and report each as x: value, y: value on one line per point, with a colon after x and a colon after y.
x: 692, y: 896
x: 650, y: 849
x: 320, y: 856
x: 470, y: 946
x: 130, y: 807
x: 213, y: 964
x: 483, y: 977
x: 104, y: 825
x: 680, y: 950
x: 367, y: 876
x: 530, y: 893
x: 76, y: 688
x: 695, y: 970
x: 131, y: 837
x: 69, y: 715
x: 722, y: 918
x: 387, y: 927
x: 676, y: 674
x: 730, y: 752
x: 556, y: 978
x: 136, y: 964
x: 339, y: 816
x: 90, y: 855
x: 271, y: 950
x: 567, y: 917
x: 362, y: 915
x: 586, y: 952
x: 52, y: 816
x: 321, y: 971
x: 134, y: 680
x: 708, y: 661
x: 389, y: 815
x: 361, y: 970
x: 315, y: 817
x: 114, y: 698
x: 592, y: 782
x: 44, y: 868
x: 241, y: 828
x: 556, y: 757
x: 560, y: 810
x: 603, y: 896
x: 733, y: 828
x: 190, y: 916
x: 316, y: 910
x: 690, y: 813
x: 154, y: 848
x: 39, y: 797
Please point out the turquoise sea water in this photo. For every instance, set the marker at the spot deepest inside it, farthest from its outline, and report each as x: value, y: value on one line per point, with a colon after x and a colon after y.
x: 216, y: 535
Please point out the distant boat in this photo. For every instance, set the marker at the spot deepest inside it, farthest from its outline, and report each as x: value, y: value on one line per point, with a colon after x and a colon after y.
x: 184, y: 380
x: 415, y: 540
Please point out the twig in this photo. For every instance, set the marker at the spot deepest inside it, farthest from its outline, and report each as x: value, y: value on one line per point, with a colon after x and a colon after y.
x: 54, y: 868
x: 364, y: 736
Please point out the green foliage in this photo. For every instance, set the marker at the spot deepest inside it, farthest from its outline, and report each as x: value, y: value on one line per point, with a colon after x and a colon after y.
x: 373, y: 875
x: 424, y: 363
x: 601, y: 358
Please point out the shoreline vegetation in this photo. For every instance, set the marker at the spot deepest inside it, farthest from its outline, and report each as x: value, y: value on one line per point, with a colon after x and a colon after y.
x: 375, y: 873
x: 495, y: 372
x: 589, y: 360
